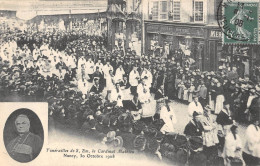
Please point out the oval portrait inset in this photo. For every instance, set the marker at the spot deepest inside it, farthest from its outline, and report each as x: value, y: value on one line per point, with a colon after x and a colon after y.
x: 23, y: 135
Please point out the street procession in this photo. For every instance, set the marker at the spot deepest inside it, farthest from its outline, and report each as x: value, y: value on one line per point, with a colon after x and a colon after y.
x: 154, y: 77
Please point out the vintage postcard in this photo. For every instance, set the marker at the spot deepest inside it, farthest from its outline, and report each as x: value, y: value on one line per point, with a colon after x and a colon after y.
x: 129, y: 82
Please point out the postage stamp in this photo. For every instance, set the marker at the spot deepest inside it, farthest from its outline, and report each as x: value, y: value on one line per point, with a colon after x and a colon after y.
x: 239, y: 22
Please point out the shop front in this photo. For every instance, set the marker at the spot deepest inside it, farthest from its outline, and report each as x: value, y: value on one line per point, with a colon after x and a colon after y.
x: 222, y: 56
x: 170, y: 38
x: 216, y: 54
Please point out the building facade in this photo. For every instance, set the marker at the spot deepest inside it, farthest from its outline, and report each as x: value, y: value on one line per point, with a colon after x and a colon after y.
x: 46, y: 15
x: 125, y: 24
x: 191, y: 26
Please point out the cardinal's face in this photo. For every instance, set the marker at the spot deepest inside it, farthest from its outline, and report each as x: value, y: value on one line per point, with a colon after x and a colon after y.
x: 22, y: 124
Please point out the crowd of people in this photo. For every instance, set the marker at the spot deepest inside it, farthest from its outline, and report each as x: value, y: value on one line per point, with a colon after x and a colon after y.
x: 122, y: 99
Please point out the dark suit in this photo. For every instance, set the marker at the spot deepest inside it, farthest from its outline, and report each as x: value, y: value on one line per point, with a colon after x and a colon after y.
x: 255, y: 108
x: 224, y: 119
x: 193, y: 129
x: 96, y: 89
x: 158, y: 95
x: 130, y: 105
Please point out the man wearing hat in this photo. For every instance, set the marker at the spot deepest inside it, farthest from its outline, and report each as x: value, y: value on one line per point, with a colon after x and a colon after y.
x: 194, y: 127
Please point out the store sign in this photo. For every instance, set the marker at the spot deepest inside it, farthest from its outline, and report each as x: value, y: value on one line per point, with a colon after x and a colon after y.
x: 153, y: 28
x: 215, y: 34
x: 176, y: 31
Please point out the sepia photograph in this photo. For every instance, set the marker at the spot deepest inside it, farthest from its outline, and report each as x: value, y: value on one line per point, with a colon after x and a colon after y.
x: 130, y: 82
x: 23, y: 135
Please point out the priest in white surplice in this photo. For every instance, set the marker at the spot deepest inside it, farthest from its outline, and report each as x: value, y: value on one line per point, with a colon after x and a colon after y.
x: 134, y: 78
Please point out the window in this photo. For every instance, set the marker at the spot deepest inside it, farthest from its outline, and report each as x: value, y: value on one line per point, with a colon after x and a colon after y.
x: 163, y: 10
x: 160, y: 10
x: 176, y: 10
x: 198, y: 11
x: 155, y: 10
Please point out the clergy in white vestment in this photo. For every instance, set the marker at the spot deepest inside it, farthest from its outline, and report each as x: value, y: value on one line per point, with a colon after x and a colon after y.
x: 110, y: 84
x: 119, y: 74
x: 134, y: 78
x: 233, y: 147
x: 90, y: 67
x: 195, y: 106
x: 117, y: 95
x: 251, y: 153
x: 143, y: 92
x: 100, y: 65
x: 168, y: 116
x: 148, y: 74
x: 106, y: 69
